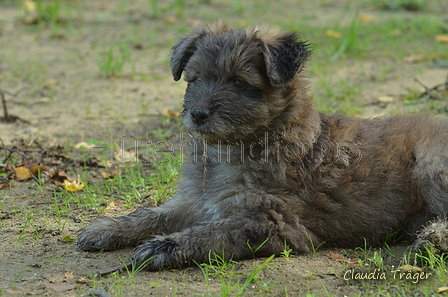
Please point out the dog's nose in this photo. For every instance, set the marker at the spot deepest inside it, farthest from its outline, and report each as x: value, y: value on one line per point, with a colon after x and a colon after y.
x: 199, y: 115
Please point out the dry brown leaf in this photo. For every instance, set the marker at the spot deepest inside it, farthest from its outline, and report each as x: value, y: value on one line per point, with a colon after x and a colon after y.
x: 36, y: 169
x: 108, y: 174
x: 23, y: 173
x: 111, y: 206
x: 48, y: 174
x: 442, y: 38
x: 415, y: 58
x: 63, y: 174
x: 105, y: 174
x: 442, y: 290
x: 169, y: 113
x: 125, y: 156
x: 4, y: 184
x: 169, y: 20
x: 341, y: 258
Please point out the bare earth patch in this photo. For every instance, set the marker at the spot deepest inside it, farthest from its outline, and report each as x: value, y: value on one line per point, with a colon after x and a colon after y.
x: 59, y: 95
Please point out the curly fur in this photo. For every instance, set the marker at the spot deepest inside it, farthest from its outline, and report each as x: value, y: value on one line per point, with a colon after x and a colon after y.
x: 276, y: 168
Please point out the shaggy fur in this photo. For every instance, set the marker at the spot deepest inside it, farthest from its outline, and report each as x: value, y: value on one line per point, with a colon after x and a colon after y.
x: 268, y: 165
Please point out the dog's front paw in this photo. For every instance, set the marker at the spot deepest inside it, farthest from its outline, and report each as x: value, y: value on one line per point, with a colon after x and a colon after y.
x: 159, y: 253
x: 434, y: 237
x: 103, y: 234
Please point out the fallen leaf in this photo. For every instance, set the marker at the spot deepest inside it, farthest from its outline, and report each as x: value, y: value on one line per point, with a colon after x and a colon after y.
x: 37, y: 169
x: 60, y: 287
x: 409, y: 268
x: 415, y: 58
x: 125, y: 156
x: 29, y: 6
x: 169, y: 20
x: 83, y: 145
x: 112, y: 205
x: 442, y: 38
x: 48, y: 174
x: 366, y: 19
x: 106, y: 174
x: 332, y: 33
x: 4, y: 184
x: 169, y: 113
x: 74, y: 186
x: 395, y: 33
x: 341, y: 258
x: 442, y: 290
x: 67, y: 239
x: 385, y: 99
x: 63, y: 174
x: 243, y: 22
x: 22, y: 173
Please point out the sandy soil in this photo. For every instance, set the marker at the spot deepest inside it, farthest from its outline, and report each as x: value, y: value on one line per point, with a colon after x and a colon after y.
x: 55, y: 87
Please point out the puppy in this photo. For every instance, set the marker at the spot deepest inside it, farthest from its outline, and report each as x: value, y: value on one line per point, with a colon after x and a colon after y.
x: 267, y: 169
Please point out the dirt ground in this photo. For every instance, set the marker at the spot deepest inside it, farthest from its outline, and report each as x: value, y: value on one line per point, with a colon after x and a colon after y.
x: 52, y: 81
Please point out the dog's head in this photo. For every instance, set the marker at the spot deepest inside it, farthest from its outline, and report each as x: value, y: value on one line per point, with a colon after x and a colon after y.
x: 238, y: 80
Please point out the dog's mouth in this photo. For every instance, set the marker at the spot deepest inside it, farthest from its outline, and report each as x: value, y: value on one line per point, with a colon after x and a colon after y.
x: 208, y: 127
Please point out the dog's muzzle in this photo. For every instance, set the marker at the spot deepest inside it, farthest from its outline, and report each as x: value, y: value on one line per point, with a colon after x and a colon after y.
x: 199, y: 115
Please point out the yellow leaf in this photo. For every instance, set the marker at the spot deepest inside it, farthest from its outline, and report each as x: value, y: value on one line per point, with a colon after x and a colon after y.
x: 442, y: 38
x: 332, y: 33
x: 366, y: 19
x: 385, y: 99
x: 409, y: 268
x: 243, y: 22
x: 83, y: 145
x: 29, y: 6
x: 74, y: 186
x: 22, y: 173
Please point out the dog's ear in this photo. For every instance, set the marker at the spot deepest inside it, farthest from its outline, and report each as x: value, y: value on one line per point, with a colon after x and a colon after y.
x: 284, y: 58
x: 185, y: 48
x: 181, y: 53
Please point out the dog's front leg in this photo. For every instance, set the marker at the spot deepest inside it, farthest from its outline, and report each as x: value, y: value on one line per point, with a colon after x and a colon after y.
x: 233, y: 238
x: 114, y: 233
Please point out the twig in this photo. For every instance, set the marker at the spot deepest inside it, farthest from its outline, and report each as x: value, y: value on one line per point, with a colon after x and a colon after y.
x: 428, y: 91
x: 446, y: 82
x: 5, y: 109
x: 7, y: 117
x: 119, y: 268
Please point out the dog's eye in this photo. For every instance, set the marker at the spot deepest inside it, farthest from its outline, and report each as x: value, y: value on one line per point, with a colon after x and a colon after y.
x: 239, y: 83
x: 192, y: 79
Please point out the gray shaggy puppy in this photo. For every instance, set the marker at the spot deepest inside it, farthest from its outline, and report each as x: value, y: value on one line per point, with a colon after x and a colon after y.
x: 267, y: 165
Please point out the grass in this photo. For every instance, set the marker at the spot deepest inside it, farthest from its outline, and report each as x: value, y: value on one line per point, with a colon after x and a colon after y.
x: 384, y: 42
x: 225, y: 272
x: 113, y: 61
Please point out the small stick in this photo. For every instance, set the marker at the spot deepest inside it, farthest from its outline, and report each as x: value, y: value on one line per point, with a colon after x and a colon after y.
x: 119, y: 268
x: 428, y: 91
x: 446, y: 82
x: 5, y: 109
